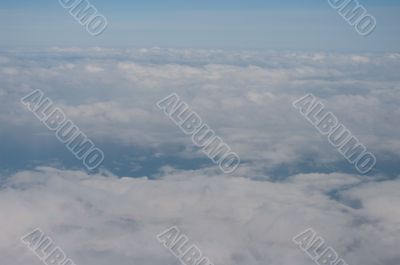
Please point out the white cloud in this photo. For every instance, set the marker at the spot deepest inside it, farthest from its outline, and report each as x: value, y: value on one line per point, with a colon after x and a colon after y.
x: 244, y: 96
x: 101, y: 219
x: 93, y: 68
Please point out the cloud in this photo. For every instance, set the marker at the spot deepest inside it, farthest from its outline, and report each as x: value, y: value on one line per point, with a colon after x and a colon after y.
x: 102, y: 219
x: 244, y: 96
x: 92, y: 68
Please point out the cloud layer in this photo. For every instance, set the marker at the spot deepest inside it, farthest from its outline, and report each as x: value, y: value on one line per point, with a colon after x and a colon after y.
x: 244, y: 96
x: 102, y: 219
x: 153, y: 177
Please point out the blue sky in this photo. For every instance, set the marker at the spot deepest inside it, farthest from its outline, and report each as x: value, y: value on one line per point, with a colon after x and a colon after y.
x: 255, y: 24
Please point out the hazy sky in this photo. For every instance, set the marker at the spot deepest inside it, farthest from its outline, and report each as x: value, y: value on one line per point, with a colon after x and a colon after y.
x: 251, y: 24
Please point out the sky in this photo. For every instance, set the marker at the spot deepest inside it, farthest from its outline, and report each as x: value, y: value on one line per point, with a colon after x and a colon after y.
x: 239, y: 65
x: 277, y: 25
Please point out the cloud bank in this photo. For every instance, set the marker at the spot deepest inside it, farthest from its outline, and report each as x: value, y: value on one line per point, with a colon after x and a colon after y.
x: 153, y: 178
x: 102, y: 219
x: 244, y: 96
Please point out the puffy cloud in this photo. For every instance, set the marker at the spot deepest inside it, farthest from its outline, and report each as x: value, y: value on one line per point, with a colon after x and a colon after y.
x: 244, y: 96
x: 249, y: 217
x: 102, y: 219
